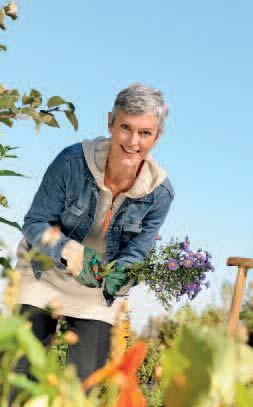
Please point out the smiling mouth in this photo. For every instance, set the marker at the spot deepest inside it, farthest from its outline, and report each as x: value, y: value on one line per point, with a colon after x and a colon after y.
x: 129, y: 152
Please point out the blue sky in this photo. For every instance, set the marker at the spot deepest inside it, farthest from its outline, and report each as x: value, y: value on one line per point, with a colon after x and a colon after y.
x: 199, y: 54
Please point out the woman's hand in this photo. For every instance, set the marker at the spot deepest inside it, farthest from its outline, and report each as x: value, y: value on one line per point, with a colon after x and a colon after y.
x: 72, y: 252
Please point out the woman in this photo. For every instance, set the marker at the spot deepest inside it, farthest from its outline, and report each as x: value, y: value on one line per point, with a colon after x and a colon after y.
x: 108, y: 197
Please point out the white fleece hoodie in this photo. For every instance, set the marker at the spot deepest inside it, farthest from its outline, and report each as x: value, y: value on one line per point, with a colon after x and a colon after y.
x: 77, y: 300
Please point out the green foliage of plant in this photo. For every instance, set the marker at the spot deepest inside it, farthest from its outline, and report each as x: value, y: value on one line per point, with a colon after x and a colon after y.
x: 148, y: 382
x: 244, y: 396
x: 153, y: 395
x: 167, y: 331
x: 203, y: 368
x: 13, y: 106
x: 60, y: 346
x: 47, y: 376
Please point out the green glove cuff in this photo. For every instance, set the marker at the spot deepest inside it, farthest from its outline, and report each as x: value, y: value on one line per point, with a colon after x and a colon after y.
x: 88, y: 275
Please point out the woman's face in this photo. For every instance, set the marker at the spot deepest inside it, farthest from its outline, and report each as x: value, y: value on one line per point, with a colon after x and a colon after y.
x: 132, y: 136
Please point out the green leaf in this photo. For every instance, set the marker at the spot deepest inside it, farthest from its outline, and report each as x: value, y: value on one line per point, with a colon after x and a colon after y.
x: 34, y: 114
x: 2, y: 16
x: 244, y: 396
x: 35, y: 94
x: 5, y: 173
x: 6, y: 121
x: 22, y: 382
x: 3, y: 47
x: 200, y: 368
x: 10, y: 223
x: 72, y: 118
x: 35, y: 98
x: 30, y: 111
x: 14, y: 93
x: 8, y: 328
x: 10, y: 156
x: 32, y: 347
x: 5, y: 263
x: 49, y: 119
x: 55, y: 101
x: 3, y: 201
x: 37, y: 102
x: 4, y: 150
x: 27, y: 100
x: 6, y: 101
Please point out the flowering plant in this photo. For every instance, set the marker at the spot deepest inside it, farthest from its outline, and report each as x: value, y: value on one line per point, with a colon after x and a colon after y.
x: 173, y: 270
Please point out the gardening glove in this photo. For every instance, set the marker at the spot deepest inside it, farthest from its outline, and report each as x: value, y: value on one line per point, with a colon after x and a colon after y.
x: 90, y: 273
x: 82, y: 263
x: 114, y: 281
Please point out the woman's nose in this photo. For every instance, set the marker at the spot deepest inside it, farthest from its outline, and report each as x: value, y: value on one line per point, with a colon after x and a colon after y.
x: 135, y: 138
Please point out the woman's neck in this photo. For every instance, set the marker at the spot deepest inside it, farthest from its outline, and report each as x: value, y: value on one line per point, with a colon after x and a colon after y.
x: 118, y: 174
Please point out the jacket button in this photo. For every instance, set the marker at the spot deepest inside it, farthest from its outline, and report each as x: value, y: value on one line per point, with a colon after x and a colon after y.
x: 116, y: 229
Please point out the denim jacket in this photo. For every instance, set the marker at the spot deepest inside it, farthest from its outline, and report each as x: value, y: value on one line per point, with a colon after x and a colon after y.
x: 67, y: 197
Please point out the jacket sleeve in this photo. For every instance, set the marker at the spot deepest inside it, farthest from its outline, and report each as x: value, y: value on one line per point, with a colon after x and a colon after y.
x: 138, y: 247
x: 46, y: 208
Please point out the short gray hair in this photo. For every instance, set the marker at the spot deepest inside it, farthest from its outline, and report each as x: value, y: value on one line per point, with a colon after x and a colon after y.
x: 138, y: 99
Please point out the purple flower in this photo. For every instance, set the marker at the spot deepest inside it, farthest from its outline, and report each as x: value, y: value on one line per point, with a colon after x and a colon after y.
x: 189, y: 287
x: 209, y: 265
x: 188, y: 262
x: 199, y: 256
x: 202, y: 276
x: 173, y: 264
x: 196, y: 285
x: 203, y: 262
x: 207, y: 284
x: 191, y: 254
x: 184, y: 246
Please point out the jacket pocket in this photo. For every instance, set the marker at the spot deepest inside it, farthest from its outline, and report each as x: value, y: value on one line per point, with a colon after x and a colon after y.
x: 72, y: 216
x: 129, y: 230
x: 132, y: 227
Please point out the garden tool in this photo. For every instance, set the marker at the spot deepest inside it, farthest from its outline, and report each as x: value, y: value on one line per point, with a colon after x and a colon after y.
x: 243, y: 265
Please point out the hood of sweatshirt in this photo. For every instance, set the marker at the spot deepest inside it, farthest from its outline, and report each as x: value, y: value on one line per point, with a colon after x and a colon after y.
x: 96, y: 153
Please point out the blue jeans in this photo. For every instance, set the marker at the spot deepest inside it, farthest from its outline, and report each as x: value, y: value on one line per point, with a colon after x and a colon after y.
x: 88, y: 355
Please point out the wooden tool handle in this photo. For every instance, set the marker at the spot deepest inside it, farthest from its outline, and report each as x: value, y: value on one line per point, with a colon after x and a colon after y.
x: 240, y: 261
x: 237, y: 297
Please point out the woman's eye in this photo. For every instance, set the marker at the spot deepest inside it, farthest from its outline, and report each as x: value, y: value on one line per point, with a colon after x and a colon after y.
x: 146, y: 133
x: 124, y: 126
